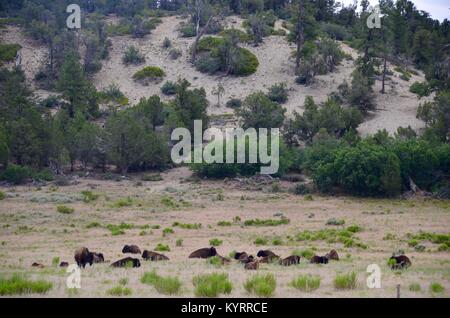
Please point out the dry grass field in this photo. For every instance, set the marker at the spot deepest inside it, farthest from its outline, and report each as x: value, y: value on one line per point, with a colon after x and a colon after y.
x: 32, y: 230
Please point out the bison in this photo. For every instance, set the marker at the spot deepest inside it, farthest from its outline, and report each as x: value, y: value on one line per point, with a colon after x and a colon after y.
x: 319, y: 259
x: 63, y: 264
x: 133, y: 249
x: 332, y: 255
x: 98, y: 257
x: 204, y: 253
x: 83, y: 257
x: 127, y: 262
x: 290, y: 260
x: 38, y: 265
x: 153, y: 256
x: 252, y: 265
x: 267, y: 253
x: 399, y: 262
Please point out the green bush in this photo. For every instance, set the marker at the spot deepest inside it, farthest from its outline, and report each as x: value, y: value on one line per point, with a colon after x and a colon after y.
x: 420, y: 89
x: 119, y: 291
x: 261, y: 241
x: 223, y: 223
x: 65, y: 209
x: 345, y: 281
x: 212, y: 285
x: 234, y: 103
x: 89, y: 196
x: 8, y: 52
x: 187, y: 30
x: 245, y: 64
x: 189, y: 226
x: 261, y: 285
x: 16, y: 174
x: 266, y: 222
x: 436, y: 288
x: 132, y: 56
x: 162, y: 248
x: 415, y: 287
x: 278, y: 93
x: 166, y: 285
x: 208, y: 64
x: 18, y: 285
x: 149, y: 73
x: 334, y: 221
x: 215, y: 242
x: 179, y: 242
x: 306, y: 283
x: 169, y: 88
x: 3, y: 196
x: 43, y: 175
x: 306, y: 253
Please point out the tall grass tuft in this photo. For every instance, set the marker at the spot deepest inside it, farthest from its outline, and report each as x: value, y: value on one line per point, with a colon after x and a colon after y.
x: 211, y: 285
x: 164, y: 285
x: 345, y: 281
x: 261, y: 285
x: 18, y: 284
x: 306, y: 283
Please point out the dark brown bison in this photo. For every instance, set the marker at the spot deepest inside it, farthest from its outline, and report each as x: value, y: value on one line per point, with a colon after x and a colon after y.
x: 38, y: 265
x: 127, y: 262
x: 290, y: 260
x: 64, y: 264
x: 98, y: 257
x: 133, y: 249
x: 240, y: 255
x: 83, y: 257
x: 252, y: 265
x: 204, y: 253
x: 319, y: 260
x: 267, y: 253
x: 399, y: 262
x: 153, y: 256
x: 332, y: 255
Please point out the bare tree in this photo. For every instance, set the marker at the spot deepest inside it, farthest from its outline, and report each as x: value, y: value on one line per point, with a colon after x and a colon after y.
x: 198, y: 9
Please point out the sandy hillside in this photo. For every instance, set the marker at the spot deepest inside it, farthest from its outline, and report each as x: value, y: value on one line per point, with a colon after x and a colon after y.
x: 396, y: 108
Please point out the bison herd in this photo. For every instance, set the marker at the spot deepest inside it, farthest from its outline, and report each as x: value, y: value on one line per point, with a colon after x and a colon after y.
x: 83, y: 256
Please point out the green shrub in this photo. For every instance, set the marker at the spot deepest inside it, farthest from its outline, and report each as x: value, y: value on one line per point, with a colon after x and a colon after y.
x: 306, y: 253
x: 16, y: 174
x: 152, y: 177
x: 166, y: 43
x: 260, y: 241
x: 132, y: 56
x: 43, y: 175
x: 354, y: 228
x: 420, y: 89
x: 436, y: 288
x: 8, y: 52
x: 208, y: 64
x: 149, y: 73
x: 306, y: 283
x: 245, y: 64
x: 162, y: 248
x: 189, y: 226
x: 174, y: 54
x: 188, y: 30
x: 301, y: 189
x: 277, y: 241
x: 266, y: 222
x: 215, y: 242
x: 345, y: 281
x: 334, y: 221
x: 123, y: 202
x: 3, y: 196
x: 168, y: 230
x: 179, y: 242
x: 415, y: 287
x: 64, y: 209
x: 212, y: 285
x: 223, y: 223
x: 119, y: 291
x: 18, y: 285
x: 166, y: 285
x: 278, y: 93
x: 93, y: 225
x: 215, y: 261
x: 261, y: 285
x: 169, y: 88
x: 89, y: 196
x: 234, y: 103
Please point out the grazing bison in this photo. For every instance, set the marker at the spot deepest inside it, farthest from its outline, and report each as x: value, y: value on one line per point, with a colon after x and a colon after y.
x: 399, y: 262
x: 98, y: 257
x: 127, y: 262
x: 290, y: 260
x: 133, y: 249
x: 252, y: 265
x: 153, y: 256
x: 63, y: 264
x: 83, y: 257
x: 319, y: 259
x: 240, y: 255
x: 38, y: 265
x: 332, y: 255
x: 267, y: 253
x: 204, y: 253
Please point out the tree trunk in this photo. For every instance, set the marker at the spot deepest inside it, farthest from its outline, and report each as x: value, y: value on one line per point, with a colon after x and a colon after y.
x: 299, y: 37
x: 384, y: 75
x: 198, y: 36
